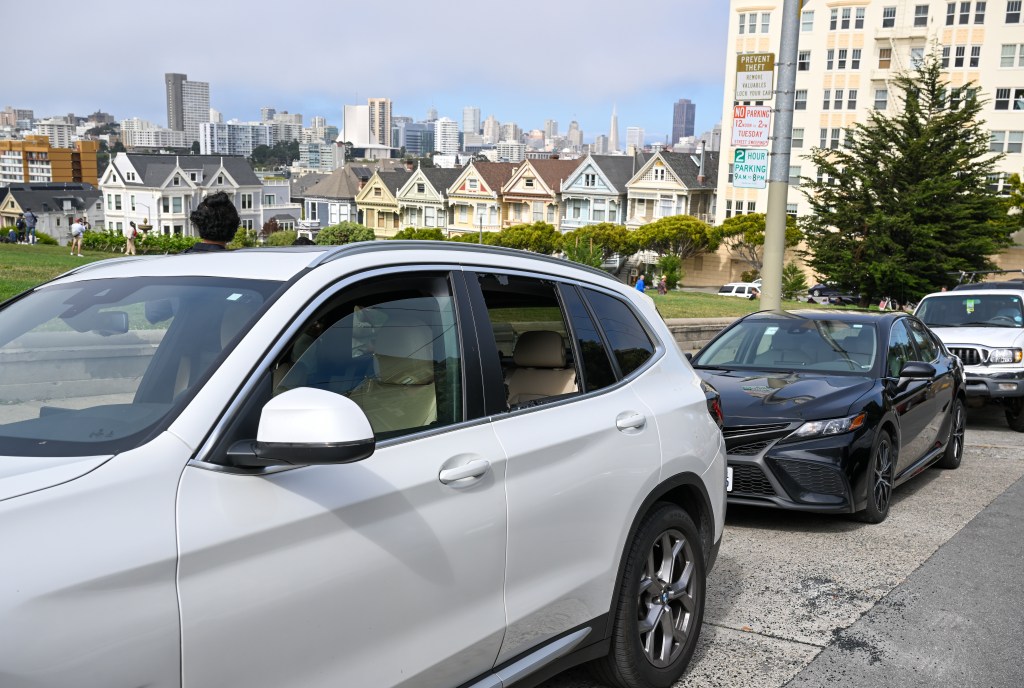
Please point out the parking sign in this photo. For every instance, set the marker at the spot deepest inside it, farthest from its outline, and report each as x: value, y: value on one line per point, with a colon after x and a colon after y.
x: 751, y: 126
x: 750, y: 168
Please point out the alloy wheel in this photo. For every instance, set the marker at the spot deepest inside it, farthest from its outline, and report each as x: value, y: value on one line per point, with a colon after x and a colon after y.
x: 881, y: 484
x: 666, y: 604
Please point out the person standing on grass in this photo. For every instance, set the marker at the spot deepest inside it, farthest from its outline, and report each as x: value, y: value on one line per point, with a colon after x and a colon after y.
x: 77, y: 231
x: 640, y: 284
x: 30, y: 226
x: 129, y: 238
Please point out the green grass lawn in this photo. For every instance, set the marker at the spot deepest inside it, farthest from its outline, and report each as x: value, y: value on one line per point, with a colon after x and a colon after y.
x: 23, y: 267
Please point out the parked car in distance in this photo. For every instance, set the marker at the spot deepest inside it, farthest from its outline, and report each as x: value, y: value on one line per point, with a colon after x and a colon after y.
x: 983, y: 324
x: 387, y: 463
x: 829, y: 294
x: 828, y: 411
x: 745, y: 290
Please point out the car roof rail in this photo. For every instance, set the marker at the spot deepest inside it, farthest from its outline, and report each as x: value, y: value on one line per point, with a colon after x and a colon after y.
x: 970, y: 276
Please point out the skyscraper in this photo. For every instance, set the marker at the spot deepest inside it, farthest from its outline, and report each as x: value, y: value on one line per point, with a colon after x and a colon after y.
x: 684, y: 113
x: 613, y: 134
x: 492, y: 130
x: 446, y: 136
x: 635, y: 138
x: 550, y: 129
x: 380, y: 120
x: 471, y: 120
x: 188, y: 104
x: 575, y: 135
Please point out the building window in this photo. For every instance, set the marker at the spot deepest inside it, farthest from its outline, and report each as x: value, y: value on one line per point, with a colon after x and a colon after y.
x: 313, y: 212
x: 945, y: 57
x: 110, y: 202
x: 916, y: 57
x: 269, y: 200
x: 807, y: 21
x: 837, y: 104
x: 794, y: 175
x: 599, y: 210
x: 851, y: 99
x: 463, y: 214
x: 1015, y: 142
x: 958, y: 59
x: 247, y: 201
x: 590, y: 180
x: 858, y: 21
x: 979, y: 12
x: 975, y: 56
x: 193, y: 176
x: 131, y: 202
x: 884, y: 58
x: 881, y: 98
x: 920, y: 15
x: 751, y: 206
x: 827, y: 100
x: 800, y: 99
x: 855, y: 59
x: 728, y: 209
x: 888, y: 17
x: 1012, y: 56
x: 803, y: 61
x: 823, y: 140
x: 421, y: 188
x: 729, y: 179
x: 830, y: 56
x: 798, y: 138
x: 473, y: 184
x: 996, y: 140
x: 965, y: 12
x: 165, y: 204
x: 247, y: 224
x: 117, y: 201
x: 833, y: 20
x: 658, y: 174
x: 950, y: 13
x: 176, y: 204
x: 376, y: 192
x: 791, y: 209
x: 845, y: 23
x: 834, y: 141
x: 528, y: 183
x: 1013, y: 12
x: 176, y: 181
x: 841, y: 62
x: 766, y: 18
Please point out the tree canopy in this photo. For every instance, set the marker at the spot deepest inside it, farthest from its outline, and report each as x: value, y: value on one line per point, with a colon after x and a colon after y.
x: 680, y: 235
x: 344, y: 233
x: 281, y: 154
x: 744, y: 237
x: 907, y: 199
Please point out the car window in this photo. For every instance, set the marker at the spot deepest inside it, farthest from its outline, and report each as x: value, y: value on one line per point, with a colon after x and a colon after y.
x: 974, y: 310
x: 901, y: 349
x: 628, y: 339
x: 926, y: 346
x: 595, y: 365
x: 93, y: 366
x: 391, y: 345
x: 727, y: 289
x: 531, y: 336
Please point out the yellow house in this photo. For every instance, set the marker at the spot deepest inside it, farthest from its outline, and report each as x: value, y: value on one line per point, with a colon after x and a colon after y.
x: 474, y: 200
x: 377, y: 202
x: 532, y: 194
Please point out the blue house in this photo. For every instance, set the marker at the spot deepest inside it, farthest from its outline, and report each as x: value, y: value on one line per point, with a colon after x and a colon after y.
x: 595, y: 192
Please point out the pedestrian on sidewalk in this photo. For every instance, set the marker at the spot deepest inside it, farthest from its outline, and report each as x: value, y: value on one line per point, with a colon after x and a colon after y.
x: 129, y: 238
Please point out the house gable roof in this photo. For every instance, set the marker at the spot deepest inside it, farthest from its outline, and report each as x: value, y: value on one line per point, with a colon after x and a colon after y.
x: 50, y: 197
x: 343, y: 184
x: 155, y: 170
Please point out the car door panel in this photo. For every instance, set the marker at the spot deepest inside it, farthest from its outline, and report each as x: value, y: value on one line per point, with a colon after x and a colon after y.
x: 372, y: 573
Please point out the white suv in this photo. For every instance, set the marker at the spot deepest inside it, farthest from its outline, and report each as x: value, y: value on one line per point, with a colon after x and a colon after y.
x: 390, y: 463
x: 983, y: 324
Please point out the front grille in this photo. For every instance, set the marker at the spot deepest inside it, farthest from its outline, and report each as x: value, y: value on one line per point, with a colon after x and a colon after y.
x: 751, y: 449
x: 750, y: 481
x: 969, y: 355
x: 812, y: 477
x: 735, y: 430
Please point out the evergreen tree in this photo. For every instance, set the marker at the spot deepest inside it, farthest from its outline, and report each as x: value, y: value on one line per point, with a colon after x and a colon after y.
x: 907, y: 199
x: 744, y: 237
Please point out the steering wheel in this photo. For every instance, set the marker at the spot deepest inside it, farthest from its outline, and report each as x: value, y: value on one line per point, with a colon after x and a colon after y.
x: 1004, y: 318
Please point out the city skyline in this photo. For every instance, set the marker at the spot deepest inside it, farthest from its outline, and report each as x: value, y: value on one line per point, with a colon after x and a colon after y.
x: 413, y: 73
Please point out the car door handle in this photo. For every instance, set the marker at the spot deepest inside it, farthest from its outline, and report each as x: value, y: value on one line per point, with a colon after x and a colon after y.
x: 473, y: 469
x: 630, y: 420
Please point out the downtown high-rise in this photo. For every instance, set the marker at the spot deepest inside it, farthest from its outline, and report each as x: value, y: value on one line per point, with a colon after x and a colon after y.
x: 188, y: 104
x: 684, y: 115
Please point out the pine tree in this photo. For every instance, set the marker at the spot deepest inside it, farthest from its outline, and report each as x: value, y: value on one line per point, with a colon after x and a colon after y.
x: 906, y: 201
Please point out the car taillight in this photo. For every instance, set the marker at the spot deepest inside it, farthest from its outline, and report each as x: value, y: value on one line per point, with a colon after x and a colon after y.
x: 714, y: 402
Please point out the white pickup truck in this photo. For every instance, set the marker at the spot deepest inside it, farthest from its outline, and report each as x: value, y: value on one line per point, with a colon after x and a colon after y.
x: 983, y: 324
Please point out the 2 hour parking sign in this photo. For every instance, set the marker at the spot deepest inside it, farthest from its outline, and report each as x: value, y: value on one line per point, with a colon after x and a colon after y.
x: 750, y: 168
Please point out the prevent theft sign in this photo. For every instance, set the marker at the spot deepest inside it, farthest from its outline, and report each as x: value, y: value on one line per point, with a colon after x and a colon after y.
x: 750, y: 168
x: 755, y: 76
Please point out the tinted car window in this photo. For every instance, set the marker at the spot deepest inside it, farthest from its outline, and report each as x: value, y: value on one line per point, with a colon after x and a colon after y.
x: 926, y: 346
x: 595, y: 364
x: 985, y: 310
x: 627, y: 337
x: 389, y: 345
x: 900, y: 348
x: 529, y: 330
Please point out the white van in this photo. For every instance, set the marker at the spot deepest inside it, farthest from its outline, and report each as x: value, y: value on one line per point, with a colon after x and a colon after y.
x: 746, y: 290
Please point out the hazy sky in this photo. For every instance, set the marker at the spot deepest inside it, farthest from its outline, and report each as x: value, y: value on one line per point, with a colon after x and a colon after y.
x: 525, y: 61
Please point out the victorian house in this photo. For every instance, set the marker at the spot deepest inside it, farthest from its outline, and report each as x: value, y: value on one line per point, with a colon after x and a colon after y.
x: 474, y: 200
x: 423, y: 200
x: 378, y: 202
x: 532, y: 193
x: 673, y: 184
x: 163, y: 190
x: 595, y: 192
x: 333, y: 199
x: 55, y: 205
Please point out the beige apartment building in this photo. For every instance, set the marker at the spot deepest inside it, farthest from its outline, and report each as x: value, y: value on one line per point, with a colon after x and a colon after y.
x: 849, y: 52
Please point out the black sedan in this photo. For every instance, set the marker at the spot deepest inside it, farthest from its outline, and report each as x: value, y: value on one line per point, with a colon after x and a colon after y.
x: 828, y: 411
x: 830, y: 294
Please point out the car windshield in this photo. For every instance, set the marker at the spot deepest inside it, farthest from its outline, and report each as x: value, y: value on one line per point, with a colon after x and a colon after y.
x: 972, y: 310
x: 96, y: 367
x: 829, y: 346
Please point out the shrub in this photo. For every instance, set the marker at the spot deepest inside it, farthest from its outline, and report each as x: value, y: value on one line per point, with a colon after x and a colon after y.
x: 244, y: 238
x: 344, y: 233
x: 282, y: 237
x: 44, y: 238
x: 670, y: 266
x: 154, y: 243
x: 108, y: 240
x: 793, y: 281
x: 421, y: 233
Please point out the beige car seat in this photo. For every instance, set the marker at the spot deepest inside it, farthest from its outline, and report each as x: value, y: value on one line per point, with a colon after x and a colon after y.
x: 540, y: 371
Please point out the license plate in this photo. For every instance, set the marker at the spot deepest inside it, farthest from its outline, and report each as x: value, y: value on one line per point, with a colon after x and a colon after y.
x: 728, y: 478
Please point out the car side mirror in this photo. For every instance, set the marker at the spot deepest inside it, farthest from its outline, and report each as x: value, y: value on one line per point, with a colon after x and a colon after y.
x: 917, y: 370
x: 306, y: 426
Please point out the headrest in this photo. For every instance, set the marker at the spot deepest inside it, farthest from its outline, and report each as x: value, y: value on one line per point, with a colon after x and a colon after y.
x: 404, y: 348
x: 539, y: 349
x: 862, y: 343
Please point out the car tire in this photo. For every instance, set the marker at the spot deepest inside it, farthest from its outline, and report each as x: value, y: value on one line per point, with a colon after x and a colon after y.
x: 878, y: 480
x: 652, y: 605
x: 955, y: 444
x: 1015, y: 414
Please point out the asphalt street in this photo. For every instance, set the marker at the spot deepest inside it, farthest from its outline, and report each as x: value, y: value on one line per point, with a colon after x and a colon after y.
x: 932, y: 596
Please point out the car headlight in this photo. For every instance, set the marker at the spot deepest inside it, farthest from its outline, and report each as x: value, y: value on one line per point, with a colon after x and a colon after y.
x: 1004, y: 356
x: 832, y: 426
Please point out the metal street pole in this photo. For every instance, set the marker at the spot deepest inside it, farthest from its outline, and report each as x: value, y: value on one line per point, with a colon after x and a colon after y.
x: 778, y: 175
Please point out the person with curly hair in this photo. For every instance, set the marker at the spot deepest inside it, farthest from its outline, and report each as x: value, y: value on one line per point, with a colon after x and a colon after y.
x: 216, y: 221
